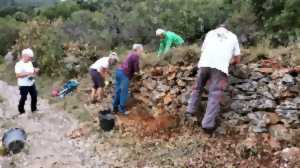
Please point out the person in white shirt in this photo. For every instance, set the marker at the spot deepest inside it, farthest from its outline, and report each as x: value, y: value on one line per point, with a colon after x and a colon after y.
x: 98, y: 71
x: 219, y: 49
x: 26, y: 73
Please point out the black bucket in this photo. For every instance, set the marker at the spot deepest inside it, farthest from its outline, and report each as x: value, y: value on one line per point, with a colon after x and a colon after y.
x: 106, y: 120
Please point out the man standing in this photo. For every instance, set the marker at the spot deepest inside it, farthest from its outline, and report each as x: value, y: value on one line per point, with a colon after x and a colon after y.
x: 98, y: 72
x: 220, y: 49
x: 25, y: 73
x: 167, y: 40
x: 123, y: 76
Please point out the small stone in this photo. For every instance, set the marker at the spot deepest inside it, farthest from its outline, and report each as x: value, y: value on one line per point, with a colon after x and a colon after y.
x: 266, y: 70
x: 181, y: 83
x: 157, y: 72
x: 163, y: 88
x: 157, y: 95
x: 168, y: 99
x: 175, y: 91
x: 244, y: 97
x: 256, y: 76
x: 288, y: 80
x: 172, y: 76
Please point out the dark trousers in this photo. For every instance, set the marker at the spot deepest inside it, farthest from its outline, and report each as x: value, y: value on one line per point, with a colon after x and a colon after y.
x: 121, y: 91
x: 217, y: 83
x: 24, y: 90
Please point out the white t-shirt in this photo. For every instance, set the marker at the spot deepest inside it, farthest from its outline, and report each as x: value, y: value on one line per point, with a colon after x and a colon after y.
x: 102, y: 63
x: 219, y: 46
x: 22, y: 67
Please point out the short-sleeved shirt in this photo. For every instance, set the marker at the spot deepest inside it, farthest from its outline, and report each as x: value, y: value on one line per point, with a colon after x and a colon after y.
x: 219, y: 46
x: 131, y: 64
x: 22, y: 67
x: 102, y: 63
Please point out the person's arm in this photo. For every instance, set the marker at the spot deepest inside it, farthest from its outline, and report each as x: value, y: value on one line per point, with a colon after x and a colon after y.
x: 169, y: 42
x: 20, y: 74
x: 161, y: 48
x: 136, y: 65
x: 103, y: 72
x: 236, y: 53
x: 24, y: 74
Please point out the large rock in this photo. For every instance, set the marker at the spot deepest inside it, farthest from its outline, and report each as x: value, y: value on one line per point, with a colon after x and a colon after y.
x: 263, y: 104
x: 9, y: 58
x: 271, y: 118
x: 287, y: 80
x: 156, y: 96
x: 162, y: 88
x: 258, y: 124
x: 264, y: 91
x: 244, y: 97
x: 289, y: 110
x: 150, y: 84
x: 280, y: 132
x: 240, y: 71
x: 256, y: 76
x: 249, y: 86
x: 291, y: 155
x: 241, y: 107
x: 260, y: 121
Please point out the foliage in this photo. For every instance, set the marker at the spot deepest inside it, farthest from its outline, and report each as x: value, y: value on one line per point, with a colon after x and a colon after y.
x: 9, y: 29
x: 81, y: 30
x: 47, y: 42
x: 280, y: 19
x: 63, y: 9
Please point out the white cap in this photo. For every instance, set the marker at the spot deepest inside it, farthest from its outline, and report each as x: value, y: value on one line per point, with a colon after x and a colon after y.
x: 28, y: 52
x: 160, y: 32
x: 137, y: 46
x: 114, y: 56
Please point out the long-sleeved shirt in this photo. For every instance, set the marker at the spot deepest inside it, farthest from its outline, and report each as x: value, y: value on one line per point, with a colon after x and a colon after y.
x: 131, y: 64
x: 170, y: 39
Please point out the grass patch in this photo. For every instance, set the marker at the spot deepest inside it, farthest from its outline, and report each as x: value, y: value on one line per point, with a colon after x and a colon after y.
x: 179, y: 55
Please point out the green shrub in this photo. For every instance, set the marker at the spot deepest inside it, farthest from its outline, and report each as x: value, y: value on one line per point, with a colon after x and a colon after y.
x: 47, y: 42
x: 9, y: 29
x: 61, y: 9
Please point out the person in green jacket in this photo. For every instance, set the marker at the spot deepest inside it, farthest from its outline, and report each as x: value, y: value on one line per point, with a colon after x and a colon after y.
x: 168, y: 40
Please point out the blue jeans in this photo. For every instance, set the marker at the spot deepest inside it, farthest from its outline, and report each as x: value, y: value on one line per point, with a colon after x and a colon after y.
x: 121, y: 91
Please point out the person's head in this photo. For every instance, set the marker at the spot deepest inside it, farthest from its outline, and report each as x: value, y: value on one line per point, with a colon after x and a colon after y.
x: 113, y: 58
x: 27, y: 55
x: 138, y: 48
x: 160, y: 33
x: 224, y: 24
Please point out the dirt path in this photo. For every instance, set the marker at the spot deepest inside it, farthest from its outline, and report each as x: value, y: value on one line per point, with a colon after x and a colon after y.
x: 47, y: 145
